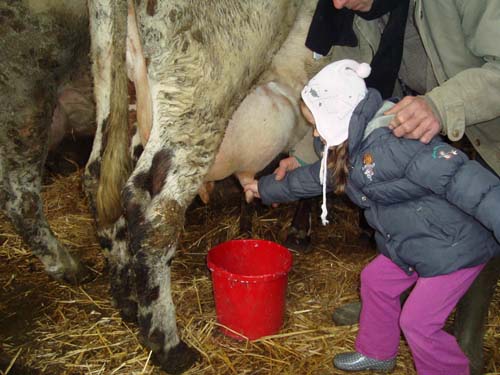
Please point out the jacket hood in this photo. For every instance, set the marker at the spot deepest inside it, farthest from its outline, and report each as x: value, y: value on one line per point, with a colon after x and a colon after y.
x: 363, y: 113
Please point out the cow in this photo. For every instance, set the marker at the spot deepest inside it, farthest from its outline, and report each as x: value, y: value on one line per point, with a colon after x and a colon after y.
x: 191, y: 64
x: 40, y: 42
x: 268, y: 121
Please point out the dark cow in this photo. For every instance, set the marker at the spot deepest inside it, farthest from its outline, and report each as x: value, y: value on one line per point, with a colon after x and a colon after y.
x: 38, y: 46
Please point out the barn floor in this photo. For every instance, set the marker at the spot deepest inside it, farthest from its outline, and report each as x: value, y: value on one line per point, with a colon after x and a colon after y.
x: 50, y: 328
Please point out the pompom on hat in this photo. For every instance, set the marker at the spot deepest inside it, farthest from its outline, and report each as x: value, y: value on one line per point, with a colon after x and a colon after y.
x: 331, y: 96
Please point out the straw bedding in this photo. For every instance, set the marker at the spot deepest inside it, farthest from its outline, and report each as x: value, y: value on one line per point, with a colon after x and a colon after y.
x: 50, y: 328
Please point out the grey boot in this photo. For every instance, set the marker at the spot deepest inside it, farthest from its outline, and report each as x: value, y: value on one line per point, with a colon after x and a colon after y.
x: 354, y: 361
x: 347, y: 314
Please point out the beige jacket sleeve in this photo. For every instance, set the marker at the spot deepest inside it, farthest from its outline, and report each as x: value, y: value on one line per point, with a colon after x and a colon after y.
x: 472, y: 95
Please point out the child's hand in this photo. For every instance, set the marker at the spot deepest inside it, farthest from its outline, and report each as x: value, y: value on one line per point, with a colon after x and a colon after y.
x: 286, y: 165
x: 251, y: 190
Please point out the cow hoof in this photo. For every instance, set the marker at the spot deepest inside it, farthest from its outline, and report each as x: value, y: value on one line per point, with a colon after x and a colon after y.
x: 178, y: 359
x: 298, y: 240
x: 81, y: 274
x: 128, y: 312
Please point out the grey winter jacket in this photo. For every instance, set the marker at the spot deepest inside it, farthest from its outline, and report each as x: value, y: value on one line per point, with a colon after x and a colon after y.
x: 432, y: 208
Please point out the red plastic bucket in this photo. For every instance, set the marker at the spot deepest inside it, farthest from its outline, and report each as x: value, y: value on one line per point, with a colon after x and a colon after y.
x: 249, y: 281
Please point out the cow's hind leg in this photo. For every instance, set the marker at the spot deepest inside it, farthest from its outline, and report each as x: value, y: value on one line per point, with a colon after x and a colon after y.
x: 299, y: 233
x: 112, y: 238
x: 115, y: 244
x: 30, y: 52
x: 157, y: 318
x: 154, y: 225
x: 110, y: 82
x: 22, y: 155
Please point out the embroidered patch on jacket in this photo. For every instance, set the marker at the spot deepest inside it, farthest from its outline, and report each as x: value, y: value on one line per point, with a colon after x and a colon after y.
x: 368, y: 166
x: 443, y: 152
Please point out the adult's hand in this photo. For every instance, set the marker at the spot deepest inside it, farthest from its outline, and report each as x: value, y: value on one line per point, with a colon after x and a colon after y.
x: 286, y: 165
x: 358, y: 5
x: 414, y: 119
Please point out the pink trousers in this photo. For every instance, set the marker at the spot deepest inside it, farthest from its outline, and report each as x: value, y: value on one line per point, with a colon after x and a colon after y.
x: 421, y: 319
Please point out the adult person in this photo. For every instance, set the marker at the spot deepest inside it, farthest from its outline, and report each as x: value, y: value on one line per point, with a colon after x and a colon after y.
x: 450, y: 57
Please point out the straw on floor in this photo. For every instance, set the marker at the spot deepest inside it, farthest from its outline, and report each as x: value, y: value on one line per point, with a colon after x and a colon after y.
x: 50, y: 328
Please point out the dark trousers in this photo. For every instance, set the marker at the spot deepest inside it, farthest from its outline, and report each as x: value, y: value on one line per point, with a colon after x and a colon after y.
x: 472, y: 311
x: 472, y: 314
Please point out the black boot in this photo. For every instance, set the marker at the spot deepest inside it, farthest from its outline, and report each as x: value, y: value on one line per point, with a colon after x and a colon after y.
x: 472, y: 314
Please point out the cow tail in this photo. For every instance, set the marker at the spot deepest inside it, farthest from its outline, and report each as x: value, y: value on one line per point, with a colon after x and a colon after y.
x: 116, y: 161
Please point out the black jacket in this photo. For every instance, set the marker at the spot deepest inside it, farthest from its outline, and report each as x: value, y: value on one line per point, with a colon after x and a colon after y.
x: 432, y: 208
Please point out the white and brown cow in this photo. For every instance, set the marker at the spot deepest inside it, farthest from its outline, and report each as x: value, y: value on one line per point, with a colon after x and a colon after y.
x: 268, y: 121
x: 191, y: 62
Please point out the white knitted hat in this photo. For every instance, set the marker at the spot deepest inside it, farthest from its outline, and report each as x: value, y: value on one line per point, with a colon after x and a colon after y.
x: 331, y: 96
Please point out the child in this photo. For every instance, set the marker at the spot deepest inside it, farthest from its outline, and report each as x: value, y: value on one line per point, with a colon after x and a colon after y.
x: 432, y: 208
